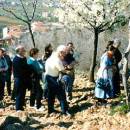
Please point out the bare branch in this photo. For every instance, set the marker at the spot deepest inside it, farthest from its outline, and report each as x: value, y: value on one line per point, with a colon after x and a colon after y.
x: 109, y: 27
x: 11, y: 12
x: 24, y: 10
x: 34, y: 8
x: 101, y: 26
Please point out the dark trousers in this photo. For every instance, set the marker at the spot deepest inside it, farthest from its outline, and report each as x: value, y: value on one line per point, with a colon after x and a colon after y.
x: 68, y: 83
x: 20, y: 88
x: 55, y: 90
x: 8, y: 82
x: 36, y: 93
x: 116, y: 82
x: 13, y: 95
x: 2, y: 85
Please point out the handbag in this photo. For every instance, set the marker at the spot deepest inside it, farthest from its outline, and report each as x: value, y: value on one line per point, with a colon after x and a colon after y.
x: 103, y: 84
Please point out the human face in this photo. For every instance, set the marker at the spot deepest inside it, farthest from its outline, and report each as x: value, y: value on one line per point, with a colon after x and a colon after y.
x: 35, y: 56
x: 62, y: 54
x: 71, y: 46
x: 22, y: 51
x: 1, y: 53
x: 50, y: 48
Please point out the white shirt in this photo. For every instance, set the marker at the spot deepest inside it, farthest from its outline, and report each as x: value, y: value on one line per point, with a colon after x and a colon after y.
x: 53, y: 65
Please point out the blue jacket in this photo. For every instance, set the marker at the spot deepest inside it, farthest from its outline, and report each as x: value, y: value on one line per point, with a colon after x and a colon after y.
x: 35, y: 66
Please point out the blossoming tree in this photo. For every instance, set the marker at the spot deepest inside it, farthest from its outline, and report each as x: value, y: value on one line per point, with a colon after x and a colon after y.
x: 95, y: 15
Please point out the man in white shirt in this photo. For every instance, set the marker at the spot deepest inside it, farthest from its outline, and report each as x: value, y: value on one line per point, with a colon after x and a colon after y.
x: 53, y: 67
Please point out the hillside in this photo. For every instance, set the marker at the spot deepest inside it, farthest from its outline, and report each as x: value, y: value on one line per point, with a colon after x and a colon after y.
x: 86, y: 115
x: 4, y: 20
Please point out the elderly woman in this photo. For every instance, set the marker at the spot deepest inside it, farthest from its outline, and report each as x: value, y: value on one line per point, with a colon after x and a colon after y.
x: 104, y: 84
x: 36, y: 90
x: 118, y: 56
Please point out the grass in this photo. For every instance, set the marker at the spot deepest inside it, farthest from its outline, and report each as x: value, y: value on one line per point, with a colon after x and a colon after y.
x: 123, y: 109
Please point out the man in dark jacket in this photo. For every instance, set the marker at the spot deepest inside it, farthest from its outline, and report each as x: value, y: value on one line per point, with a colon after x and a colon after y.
x: 21, y: 76
x: 3, y: 69
x: 8, y: 72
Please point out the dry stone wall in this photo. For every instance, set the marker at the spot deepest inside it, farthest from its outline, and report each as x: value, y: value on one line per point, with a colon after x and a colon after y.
x: 83, y: 41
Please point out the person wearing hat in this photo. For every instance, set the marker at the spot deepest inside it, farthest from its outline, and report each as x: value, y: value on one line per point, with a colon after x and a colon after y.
x: 3, y: 69
x: 53, y: 67
x: 8, y: 72
x: 21, y: 72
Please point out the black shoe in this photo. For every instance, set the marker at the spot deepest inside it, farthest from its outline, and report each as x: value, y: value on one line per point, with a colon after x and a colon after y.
x: 53, y: 111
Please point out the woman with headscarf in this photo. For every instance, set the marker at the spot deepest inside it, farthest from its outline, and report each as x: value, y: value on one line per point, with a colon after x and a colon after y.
x: 104, y: 83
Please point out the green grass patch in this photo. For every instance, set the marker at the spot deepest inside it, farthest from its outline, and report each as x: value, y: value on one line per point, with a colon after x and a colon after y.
x: 123, y: 109
x: 121, y: 97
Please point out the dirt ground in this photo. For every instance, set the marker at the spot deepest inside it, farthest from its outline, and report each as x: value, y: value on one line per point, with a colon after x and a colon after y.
x: 86, y: 115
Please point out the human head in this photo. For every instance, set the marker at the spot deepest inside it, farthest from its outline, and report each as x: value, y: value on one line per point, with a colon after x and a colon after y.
x: 34, y: 52
x: 48, y: 47
x: 111, y: 50
x: 1, y: 52
x: 117, y: 43
x: 110, y: 43
x: 4, y: 51
x: 70, y: 45
x: 20, y: 50
x: 61, y: 51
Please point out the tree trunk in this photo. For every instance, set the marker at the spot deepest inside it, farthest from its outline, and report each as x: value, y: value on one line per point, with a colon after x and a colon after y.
x: 93, y: 64
x: 31, y: 33
x: 125, y: 71
x: 124, y: 78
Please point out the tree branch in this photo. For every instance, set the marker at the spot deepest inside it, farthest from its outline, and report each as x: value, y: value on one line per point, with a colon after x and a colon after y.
x: 25, y: 10
x: 79, y: 14
x: 101, y: 26
x: 109, y: 27
x: 34, y: 8
x: 11, y: 12
x: 85, y: 4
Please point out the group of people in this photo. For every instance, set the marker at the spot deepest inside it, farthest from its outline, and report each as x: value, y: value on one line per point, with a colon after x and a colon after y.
x: 53, y: 76
x: 49, y: 77
x: 108, y: 76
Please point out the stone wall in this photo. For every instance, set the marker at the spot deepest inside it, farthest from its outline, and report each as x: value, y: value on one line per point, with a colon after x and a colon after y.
x: 83, y: 41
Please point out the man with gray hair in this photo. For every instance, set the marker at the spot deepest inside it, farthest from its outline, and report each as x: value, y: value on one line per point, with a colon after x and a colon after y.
x: 21, y: 77
x: 53, y: 67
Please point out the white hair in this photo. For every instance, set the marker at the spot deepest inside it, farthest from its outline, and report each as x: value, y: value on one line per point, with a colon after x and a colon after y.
x: 117, y: 42
x: 19, y: 47
x: 60, y: 48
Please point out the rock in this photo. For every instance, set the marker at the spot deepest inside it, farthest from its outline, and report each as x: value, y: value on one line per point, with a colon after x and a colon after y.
x: 22, y: 115
x: 15, y: 126
x: 8, y: 120
x: 35, y: 125
x: 11, y: 107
